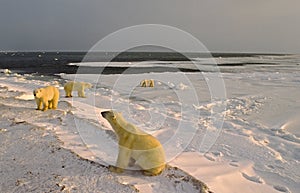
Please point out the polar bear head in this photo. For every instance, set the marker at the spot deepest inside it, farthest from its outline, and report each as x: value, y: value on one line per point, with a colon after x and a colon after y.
x: 115, y: 119
x: 87, y: 85
x: 110, y: 116
x: 119, y: 124
x: 38, y: 93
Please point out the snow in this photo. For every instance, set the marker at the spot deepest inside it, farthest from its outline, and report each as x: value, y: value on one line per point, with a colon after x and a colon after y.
x: 245, y: 139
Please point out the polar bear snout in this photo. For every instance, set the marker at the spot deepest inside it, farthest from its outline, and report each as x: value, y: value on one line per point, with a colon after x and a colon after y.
x: 104, y: 113
x: 34, y: 93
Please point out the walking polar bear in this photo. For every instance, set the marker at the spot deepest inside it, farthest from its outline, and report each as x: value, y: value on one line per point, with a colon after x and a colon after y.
x: 147, y: 83
x: 46, y: 97
x: 76, y: 86
x: 135, y: 146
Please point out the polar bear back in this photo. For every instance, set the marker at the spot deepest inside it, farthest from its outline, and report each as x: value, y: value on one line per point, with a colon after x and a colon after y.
x: 77, y: 86
x: 48, y: 93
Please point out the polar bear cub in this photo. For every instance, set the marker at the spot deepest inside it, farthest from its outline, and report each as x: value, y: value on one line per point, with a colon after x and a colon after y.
x: 76, y: 86
x: 147, y: 83
x: 46, y: 97
x: 135, y: 145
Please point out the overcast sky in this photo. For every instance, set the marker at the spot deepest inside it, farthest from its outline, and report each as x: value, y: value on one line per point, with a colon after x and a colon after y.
x: 221, y: 25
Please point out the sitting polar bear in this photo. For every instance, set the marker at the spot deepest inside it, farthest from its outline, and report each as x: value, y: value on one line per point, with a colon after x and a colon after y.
x: 76, y: 86
x: 147, y: 83
x: 47, y: 96
x: 135, y: 145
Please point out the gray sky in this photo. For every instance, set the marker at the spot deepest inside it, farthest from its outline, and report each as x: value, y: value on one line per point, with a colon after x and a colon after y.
x: 221, y: 25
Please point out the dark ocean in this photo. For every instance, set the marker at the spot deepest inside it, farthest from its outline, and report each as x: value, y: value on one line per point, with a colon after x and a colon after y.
x: 51, y: 63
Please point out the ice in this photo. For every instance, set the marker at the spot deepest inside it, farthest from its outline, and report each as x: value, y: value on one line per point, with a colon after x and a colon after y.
x: 246, y: 139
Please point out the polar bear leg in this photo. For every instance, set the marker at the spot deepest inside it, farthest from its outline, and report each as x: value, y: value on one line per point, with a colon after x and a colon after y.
x: 68, y: 93
x: 81, y: 93
x: 50, y: 104
x: 122, y: 161
x: 39, y: 104
x: 46, y: 104
x: 151, y: 83
x: 54, y: 102
x: 153, y: 171
x: 144, y: 83
x: 123, y: 157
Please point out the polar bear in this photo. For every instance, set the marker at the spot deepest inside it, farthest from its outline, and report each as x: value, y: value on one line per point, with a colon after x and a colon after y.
x: 47, y: 97
x: 76, y: 86
x: 147, y: 83
x: 135, y: 145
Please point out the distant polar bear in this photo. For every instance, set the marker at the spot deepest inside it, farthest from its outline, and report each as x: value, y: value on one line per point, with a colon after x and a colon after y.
x: 147, y: 83
x: 135, y: 145
x: 76, y: 86
x: 47, y: 97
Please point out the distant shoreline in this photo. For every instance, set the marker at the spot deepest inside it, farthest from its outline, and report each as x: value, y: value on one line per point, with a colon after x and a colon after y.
x: 50, y: 63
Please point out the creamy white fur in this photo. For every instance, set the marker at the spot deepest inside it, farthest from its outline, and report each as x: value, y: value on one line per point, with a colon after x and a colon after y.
x: 71, y: 86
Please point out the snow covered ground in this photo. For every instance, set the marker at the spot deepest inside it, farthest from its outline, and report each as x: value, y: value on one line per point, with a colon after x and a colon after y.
x: 241, y: 135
